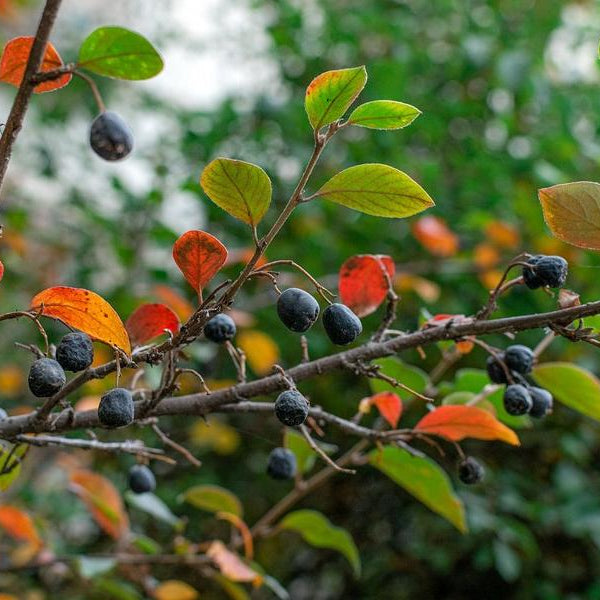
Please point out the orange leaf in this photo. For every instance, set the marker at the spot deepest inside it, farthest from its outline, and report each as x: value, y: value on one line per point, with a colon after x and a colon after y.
x: 458, y: 422
x: 175, y: 590
x: 503, y: 234
x: 230, y: 564
x: 435, y: 236
x: 85, y: 311
x: 199, y: 256
x: 363, y: 283
x: 183, y: 309
x: 102, y: 500
x: 389, y: 405
x: 18, y: 524
x: 14, y: 60
x: 150, y: 320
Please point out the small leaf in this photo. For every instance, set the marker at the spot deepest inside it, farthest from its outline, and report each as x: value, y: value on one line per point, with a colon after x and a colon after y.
x: 318, y: 531
x: 383, y: 114
x: 363, y: 285
x: 149, y: 321
x: 85, y: 311
x: 214, y: 499
x: 433, y: 233
x: 240, y: 188
x: 378, y: 190
x: 14, y: 61
x: 119, y: 53
x: 260, y: 349
x: 154, y: 506
x: 230, y: 564
x: 422, y: 478
x: 18, y: 525
x: 330, y: 94
x: 175, y: 590
x: 92, y: 566
x: 199, y: 257
x: 389, y: 406
x: 11, y: 459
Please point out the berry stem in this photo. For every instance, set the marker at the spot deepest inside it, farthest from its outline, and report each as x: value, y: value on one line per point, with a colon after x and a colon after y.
x: 93, y: 87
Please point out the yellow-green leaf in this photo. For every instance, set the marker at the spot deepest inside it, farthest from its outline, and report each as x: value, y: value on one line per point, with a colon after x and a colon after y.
x: 378, y: 190
x: 330, y: 94
x: 213, y: 498
x: 10, y: 465
x: 239, y: 188
x: 383, y: 114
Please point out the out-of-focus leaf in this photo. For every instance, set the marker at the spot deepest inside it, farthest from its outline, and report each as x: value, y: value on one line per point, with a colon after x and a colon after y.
x: 413, y: 377
x: 235, y: 591
x: 231, y: 565
x: 10, y: 460
x: 260, y: 349
x: 92, y: 566
x: 182, y: 308
x: 433, y: 233
x: 213, y: 498
x: 18, y: 525
x: 174, y: 589
x: 153, y: 505
x: 149, y: 321
x: 383, y: 114
x: 305, y: 455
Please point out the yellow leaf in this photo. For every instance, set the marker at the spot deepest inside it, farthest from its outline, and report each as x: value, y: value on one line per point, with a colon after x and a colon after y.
x: 260, y: 349
x: 175, y: 590
x: 215, y: 435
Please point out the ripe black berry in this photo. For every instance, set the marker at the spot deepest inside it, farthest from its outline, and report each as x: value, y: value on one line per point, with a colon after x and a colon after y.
x: 297, y: 309
x: 110, y: 137
x: 542, y: 402
x: 291, y: 408
x: 46, y: 377
x: 495, y: 370
x: 141, y: 479
x: 517, y: 400
x: 519, y: 358
x: 282, y: 464
x: 75, y: 352
x: 341, y: 324
x: 116, y: 408
x: 545, y: 270
x: 220, y: 329
x: 470, y: 471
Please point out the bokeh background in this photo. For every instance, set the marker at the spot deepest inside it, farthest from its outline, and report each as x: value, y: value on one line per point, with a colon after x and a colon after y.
x: 510, y: 95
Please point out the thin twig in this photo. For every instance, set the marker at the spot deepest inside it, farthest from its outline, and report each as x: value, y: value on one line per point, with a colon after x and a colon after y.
x: 322, y: 454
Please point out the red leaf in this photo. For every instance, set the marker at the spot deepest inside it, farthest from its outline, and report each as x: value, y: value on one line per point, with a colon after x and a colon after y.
x: 14, y: 60
x: 362, y: 282
x: 389, y: 405
x: 18, y: 524
x: 150, y: 320
x: 199, y: 256
x: 1, y: 270
x: 434, y: 234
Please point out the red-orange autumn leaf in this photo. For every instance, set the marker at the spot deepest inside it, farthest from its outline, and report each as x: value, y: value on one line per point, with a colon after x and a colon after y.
x: 231, y: 565
x: 102, y: 500
x: 14, y: 60
x: 433, y: 233
x: 18, y: 524
x: 199, y: 256
x: 150, y: 320
x: 456, y: 422
x: 85, y: 311
x: 362, y: 282
x: 389, y: 406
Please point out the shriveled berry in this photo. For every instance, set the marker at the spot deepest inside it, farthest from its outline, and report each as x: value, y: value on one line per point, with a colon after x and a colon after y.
x: 141, y: 479
x: 116, y: 408
x: 291, y: 408
x: 46, y: 377
x: 282, y: 464
x: 470, y: 471
x: 75, y: 352
x: 495, y: 371
x: 297, y: 309
x: 519, y: 358
x: 110, y: 136
x: 517, y: 400
x: 220, y: 329
x: 542, y: 402
x: 341, y: 324
x: 550, y: 271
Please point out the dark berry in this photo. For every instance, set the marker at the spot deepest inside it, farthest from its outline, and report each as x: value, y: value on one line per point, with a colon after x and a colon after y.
x: 75, y: 352
x: 495, y: 370
x: 297, y: 309
x: 141, y: 479
x: 46, y: 377
x: 550, y: 271
x: 519, y: 358
x: 3, y: 414
x: 282, y: 464
x: 291, y: 408
x: 517, y: 400
x: 110, y: 136
x: 542, y: 402
x: 470, y: 471
x: 341, y: 324
x: 116, y: 408
x: 220, y: 329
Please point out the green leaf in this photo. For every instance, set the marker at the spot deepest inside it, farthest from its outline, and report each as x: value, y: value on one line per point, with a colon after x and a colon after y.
x: 422, y: 478
x: 154, y: 506
x: 119, y: 53
x: 305, y: 455
x: 572, y: 385
x: 146, y: 545
x: 214, y: 499
x: 318, y: 531
x: 416, y: 379
x: 383, y: 114
x: 330, y: 94
x: 92, y: 566
x: 12, y: 461
x: 239, y: 188
x: 378, y: 190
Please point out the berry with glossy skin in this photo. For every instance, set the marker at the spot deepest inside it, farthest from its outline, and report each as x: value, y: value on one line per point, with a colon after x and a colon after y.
x: 297, y: 309
x: 519, y: 358
x: 550, y: 271
x: 141, y: 479
x: 291, y: 408
x: 517, y: 400
x: 282, y: 464
x: 495, y: 371
x: 75, y: 352
x: 46, y: 377
x: 470, y: 471
x: 220, y: 329
x: 116, y: 408
x: 110, y: 136
x: 341, y: 324
x: 542, y: 402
